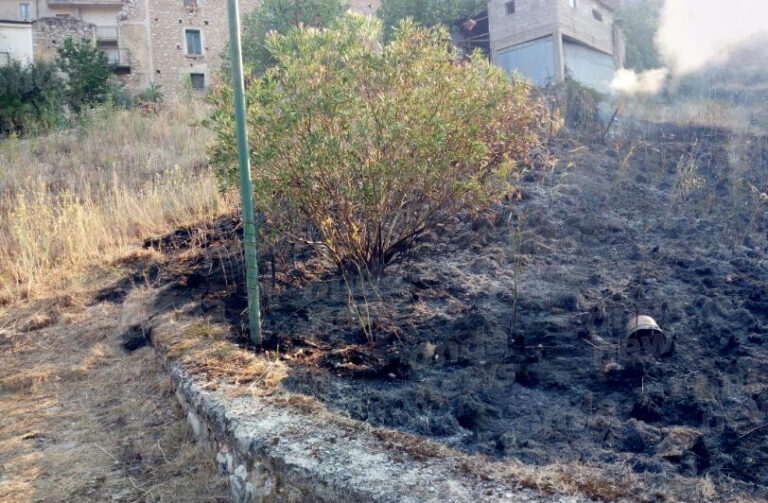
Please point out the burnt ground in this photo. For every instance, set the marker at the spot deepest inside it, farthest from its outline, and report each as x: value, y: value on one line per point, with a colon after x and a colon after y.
x: 506, y: 337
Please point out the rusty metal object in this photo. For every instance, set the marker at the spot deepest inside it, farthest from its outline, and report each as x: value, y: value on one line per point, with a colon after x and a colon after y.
x: 646, y: 338
x: 642, y: 322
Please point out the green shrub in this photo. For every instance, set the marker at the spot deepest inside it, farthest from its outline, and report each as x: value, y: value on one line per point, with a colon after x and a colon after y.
x: 427, y: 12
x: 120, y: 97
x: 88, y: 71
x: 360, y: 149
x: 152, y: 94
x: 30, y: 97
x: 280, y: 16
x: 640, y: 22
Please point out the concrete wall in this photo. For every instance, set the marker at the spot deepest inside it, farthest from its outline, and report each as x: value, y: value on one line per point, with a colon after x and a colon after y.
x: 16, y: 42
x: 580, y: 24
x: 620, y: 46
x: 99, y: 12
x: 535, y: 60
x: 100, y: 16
x: 9, y: 9
x: 271, y: 451
x: 533, y: 19
x: 589, y: 66
x: 515, y: 38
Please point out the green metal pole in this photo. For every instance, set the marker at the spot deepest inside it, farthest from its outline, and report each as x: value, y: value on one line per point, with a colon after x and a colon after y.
x: 246, y: 186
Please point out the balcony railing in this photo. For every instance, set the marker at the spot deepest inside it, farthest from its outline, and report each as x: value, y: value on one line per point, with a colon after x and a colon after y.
x: 118, y: 57
x: 106, y: 33
x: 84, y: 2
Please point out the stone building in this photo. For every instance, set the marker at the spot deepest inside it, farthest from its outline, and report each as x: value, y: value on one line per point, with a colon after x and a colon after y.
x: 53, y: 21
x: 547, y: 40
x: 180, y: 42
x: 177, y: 44
x: 185, y: 40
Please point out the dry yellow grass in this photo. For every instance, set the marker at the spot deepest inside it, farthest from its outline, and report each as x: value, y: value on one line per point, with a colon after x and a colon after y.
x: 201, y: 345
x: 83, y: 421
x: 85, y: 196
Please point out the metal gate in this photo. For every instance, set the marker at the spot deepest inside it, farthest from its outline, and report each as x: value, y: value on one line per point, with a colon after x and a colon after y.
x: 534, y: 60
x: 589, y: 66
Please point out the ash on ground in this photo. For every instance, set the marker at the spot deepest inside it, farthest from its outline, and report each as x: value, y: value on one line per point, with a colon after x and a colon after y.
x: 507, y: 338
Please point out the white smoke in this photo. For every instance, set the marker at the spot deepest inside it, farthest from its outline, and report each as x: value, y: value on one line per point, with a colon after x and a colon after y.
x: 693, y: 34
x: 630, y: 82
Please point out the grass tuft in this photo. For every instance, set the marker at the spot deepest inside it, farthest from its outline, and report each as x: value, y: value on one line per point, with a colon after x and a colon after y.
x: 85, y: 196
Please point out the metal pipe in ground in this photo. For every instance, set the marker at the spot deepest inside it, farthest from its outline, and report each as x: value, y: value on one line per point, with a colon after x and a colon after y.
x: 246, y: 186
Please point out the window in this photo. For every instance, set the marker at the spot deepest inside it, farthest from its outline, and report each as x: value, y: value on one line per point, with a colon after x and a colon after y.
x: 597, y: 15
x: 194, y: 41
x: 510, y: 7
x: 572, y: 3
x: 198, y: 80
x: 24, y: 11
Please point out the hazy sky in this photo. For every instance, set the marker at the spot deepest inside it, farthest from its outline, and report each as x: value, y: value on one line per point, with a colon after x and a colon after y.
x: 693, y: 34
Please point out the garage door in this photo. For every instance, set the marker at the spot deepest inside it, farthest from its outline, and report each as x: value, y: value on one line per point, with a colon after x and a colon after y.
x: 593, y: 68
x: 535, y: 60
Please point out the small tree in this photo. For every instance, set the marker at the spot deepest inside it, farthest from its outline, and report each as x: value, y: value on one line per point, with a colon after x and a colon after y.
x: 360, y: 149
x: 640, y: 22
x: 88, y: 71
x: 427, y: 12
x: 30, y: 96
x: 280, y: 16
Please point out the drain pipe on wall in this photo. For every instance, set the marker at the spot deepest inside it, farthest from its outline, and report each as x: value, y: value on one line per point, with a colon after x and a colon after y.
x: 246, y: 185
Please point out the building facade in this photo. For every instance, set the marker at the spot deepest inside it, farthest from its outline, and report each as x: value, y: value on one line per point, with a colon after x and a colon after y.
x: 547, y: 40
x: 177, y: 44
x: 180, y: 44
x: 16, y: 42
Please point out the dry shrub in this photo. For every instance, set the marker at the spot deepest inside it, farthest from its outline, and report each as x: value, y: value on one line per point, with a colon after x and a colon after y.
x: 27, y: 380
x: 97, y: 355
x: 577, y: 104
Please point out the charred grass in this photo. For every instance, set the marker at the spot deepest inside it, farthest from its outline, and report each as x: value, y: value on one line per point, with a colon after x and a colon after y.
x: 679, y: 211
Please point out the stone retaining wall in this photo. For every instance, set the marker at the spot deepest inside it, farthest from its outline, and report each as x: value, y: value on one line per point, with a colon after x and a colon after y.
x: 274, y: 452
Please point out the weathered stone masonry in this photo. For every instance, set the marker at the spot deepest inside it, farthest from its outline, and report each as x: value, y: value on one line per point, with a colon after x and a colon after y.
x: 49, y: 33
x: 168, y: 22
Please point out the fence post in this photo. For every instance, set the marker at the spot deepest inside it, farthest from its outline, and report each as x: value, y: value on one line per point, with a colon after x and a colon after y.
x: 246, y: 186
